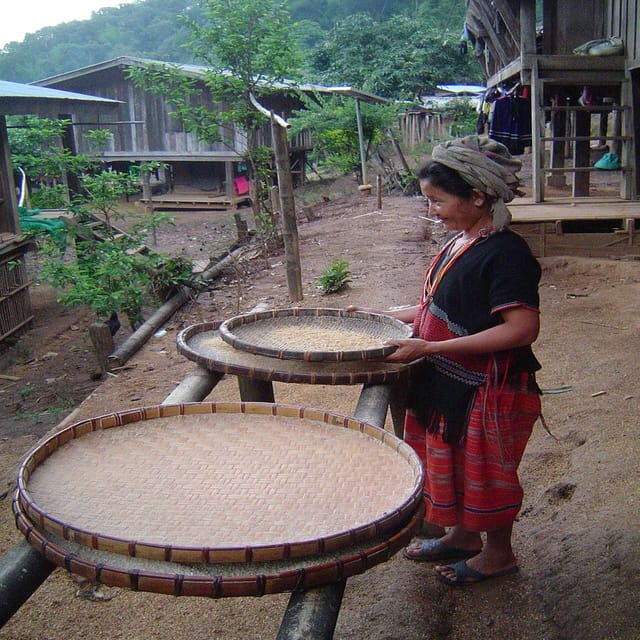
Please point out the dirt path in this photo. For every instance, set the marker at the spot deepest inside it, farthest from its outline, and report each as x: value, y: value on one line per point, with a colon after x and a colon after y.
x: 579, y: 531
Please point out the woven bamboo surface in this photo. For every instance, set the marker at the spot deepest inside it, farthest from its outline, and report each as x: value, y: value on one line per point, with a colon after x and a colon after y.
x: 215, y: 580
x: 314, y: 334
x: 220, y: 482
x: 202, y: 343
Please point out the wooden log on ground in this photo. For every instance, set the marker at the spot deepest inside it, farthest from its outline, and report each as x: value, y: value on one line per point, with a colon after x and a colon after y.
x: 195, y: 387
x: 373, y: 404
x: 22, y: 571
x: 313, y: 614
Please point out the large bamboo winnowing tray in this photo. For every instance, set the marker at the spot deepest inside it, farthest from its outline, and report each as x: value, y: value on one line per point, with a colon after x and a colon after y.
x: 226, y: 482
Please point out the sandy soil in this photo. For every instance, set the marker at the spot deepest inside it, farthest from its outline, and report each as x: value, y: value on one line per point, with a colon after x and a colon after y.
x: 579, y: 531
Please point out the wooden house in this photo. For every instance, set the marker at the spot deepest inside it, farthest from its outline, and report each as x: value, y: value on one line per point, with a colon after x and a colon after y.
x: 584, y: 101
x: 21, y: 99
x: 143, y: 130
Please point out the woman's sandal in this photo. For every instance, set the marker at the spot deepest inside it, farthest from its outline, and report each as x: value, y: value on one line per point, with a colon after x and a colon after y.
x: 433, y: 550
x: 465, y: 575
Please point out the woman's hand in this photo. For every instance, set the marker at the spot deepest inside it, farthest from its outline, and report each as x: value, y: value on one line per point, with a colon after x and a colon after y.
x: 520, y: 327
x: 352, y: 307
x: 408, y: 350
x: 404, y: 314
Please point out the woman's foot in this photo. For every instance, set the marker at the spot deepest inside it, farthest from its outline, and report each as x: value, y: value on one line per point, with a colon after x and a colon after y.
x: 494, y: 560
x: 431, y: 550
x: 456, y: 543
x: 461, y: 574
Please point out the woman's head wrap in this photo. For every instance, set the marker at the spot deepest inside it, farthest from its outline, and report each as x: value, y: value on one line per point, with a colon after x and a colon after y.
x: 487, y: 166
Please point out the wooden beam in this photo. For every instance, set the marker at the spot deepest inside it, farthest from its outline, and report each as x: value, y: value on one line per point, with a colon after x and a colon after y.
x: 496, y: 40
x: 510, y: 19
x: 527, y: 35
x: 513, y: 69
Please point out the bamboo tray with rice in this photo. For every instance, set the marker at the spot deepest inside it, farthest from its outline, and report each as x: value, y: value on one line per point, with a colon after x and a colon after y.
x: 219, y: 499
x: 314, y: 334
x: 202, y: 344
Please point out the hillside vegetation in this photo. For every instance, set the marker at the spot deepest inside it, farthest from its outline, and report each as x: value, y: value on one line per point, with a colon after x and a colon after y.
x: 396, y: 49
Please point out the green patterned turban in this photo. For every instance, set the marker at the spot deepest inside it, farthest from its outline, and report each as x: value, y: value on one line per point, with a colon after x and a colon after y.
x: 487, y: 166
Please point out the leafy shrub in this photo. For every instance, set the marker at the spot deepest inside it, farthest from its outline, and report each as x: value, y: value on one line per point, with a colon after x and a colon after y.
x: 334, y: 277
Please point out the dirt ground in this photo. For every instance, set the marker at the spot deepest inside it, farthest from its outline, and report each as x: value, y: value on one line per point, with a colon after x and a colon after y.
x: 578, y: 534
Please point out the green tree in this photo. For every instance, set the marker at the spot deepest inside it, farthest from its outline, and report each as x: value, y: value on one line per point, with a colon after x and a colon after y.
x: 36, y: 148
x: 109, y: 273
x: 401, y: 57
x: 247, y: 49
x: 333, y: 126
x: 149, y: 29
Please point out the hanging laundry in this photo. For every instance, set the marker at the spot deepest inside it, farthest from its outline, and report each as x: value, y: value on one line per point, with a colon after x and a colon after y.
x: 511, y: 123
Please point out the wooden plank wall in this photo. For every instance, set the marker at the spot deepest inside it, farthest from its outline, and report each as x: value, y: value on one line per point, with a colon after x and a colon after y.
x: 571, y: 23
x: 622, y: 20
x: 151, y: 127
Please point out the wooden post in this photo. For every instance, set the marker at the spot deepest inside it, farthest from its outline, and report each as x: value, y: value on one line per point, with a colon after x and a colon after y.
x: 363, y: 153
x: 275, y: 200
x: 398, y: 403
x: 146, y: 190
x: 617, y: 131
x: 228, y: 182
x: 558, y: 132
x: 581, y: 154
x: 9, y: 219
x: 241, y: 227
x: 195, y: 387
x: 148, y: 202
x: 398, y: 150
x: 102, y: 341
x: 252, y: 390
x: 288, y: 209
x: 537, y: 127
x: 312, y: 614
x: 529, y: 75
x: 379, y: 191
x: 527, y: 28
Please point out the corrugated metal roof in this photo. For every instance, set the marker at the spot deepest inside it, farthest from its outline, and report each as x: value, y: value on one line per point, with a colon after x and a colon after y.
x: 462, y: 88
x: 22, y: 99
x: 198, y: 70
x: 17, y: 90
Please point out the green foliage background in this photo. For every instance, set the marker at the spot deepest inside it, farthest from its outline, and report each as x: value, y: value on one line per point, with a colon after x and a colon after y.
x: 396, y: 49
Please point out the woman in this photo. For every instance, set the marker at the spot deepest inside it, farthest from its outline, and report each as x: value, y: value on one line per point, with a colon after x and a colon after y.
x: 473, y: 400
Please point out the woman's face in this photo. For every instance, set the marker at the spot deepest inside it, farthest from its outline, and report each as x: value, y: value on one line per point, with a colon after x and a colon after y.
x: 456, y: 213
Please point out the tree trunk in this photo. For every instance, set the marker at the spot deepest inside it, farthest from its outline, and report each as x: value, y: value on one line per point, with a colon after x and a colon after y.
x: 288, y: 210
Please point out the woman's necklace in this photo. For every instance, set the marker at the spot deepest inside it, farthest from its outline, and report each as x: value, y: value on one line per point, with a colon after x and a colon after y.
x: 446, y: 258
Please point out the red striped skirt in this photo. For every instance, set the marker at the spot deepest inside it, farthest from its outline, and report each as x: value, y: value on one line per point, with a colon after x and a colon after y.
x: 476, y: 483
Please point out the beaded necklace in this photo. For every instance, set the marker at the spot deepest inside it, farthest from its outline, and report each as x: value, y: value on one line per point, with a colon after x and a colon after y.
x: 445, y: 259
